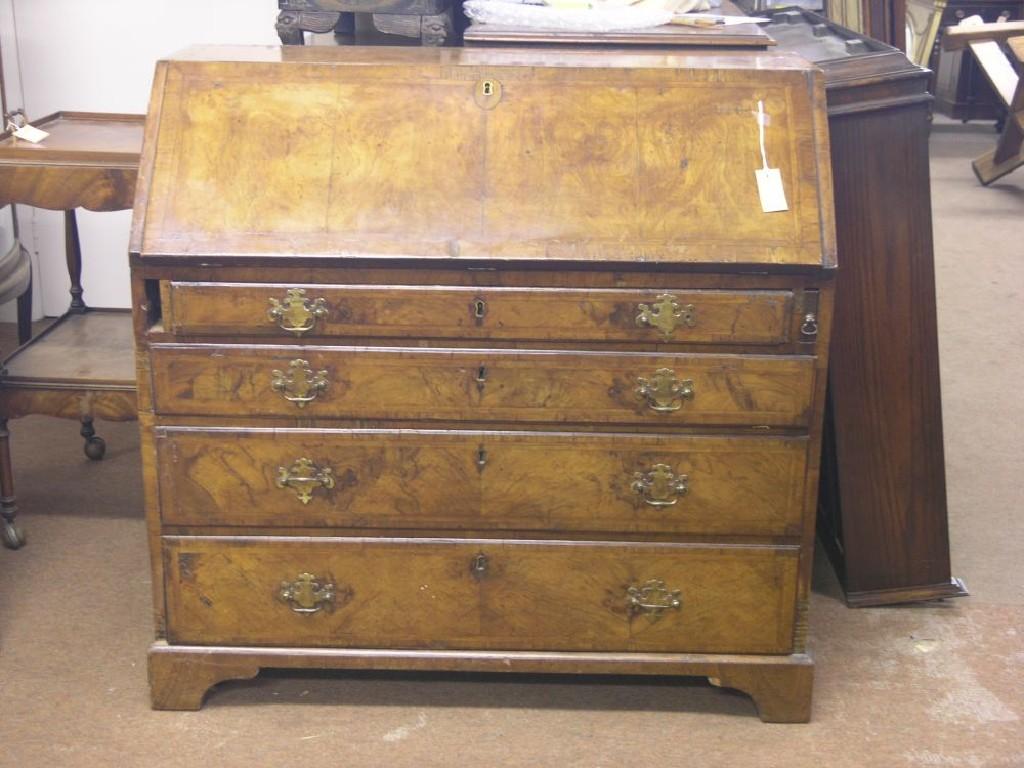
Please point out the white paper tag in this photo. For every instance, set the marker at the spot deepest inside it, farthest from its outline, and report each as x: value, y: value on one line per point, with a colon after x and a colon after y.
x: 30, y: 133
x: 769, y: 187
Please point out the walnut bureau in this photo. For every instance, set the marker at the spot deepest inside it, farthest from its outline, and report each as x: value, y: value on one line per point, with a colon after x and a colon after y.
x: 482, y: 360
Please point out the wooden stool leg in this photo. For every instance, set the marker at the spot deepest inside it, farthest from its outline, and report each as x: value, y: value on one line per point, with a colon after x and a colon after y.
x: 1008, y: 155
x: 95, y: 447
x: 11, y: 534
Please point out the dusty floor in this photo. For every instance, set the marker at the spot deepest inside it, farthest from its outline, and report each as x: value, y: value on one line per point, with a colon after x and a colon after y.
x: 927, y: 685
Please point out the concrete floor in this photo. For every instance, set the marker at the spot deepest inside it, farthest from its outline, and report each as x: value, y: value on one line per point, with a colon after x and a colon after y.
x: 925, y: 685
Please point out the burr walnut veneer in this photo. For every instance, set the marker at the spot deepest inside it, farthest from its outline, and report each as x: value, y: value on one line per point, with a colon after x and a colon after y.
x: 482, y: 360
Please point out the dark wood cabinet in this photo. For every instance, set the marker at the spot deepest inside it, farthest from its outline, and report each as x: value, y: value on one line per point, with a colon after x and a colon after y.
x: 883, y: 516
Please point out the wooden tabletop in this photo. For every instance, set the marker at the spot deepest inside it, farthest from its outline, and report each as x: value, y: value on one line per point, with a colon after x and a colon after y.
x: 80, y: 138
x: 89, y: 160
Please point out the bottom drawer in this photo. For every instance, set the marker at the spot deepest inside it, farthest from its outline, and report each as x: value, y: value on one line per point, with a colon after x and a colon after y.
x: 480, y: 594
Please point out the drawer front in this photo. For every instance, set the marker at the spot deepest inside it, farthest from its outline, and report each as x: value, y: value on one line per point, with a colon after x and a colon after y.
x: 409, y: 593
x: 481, y: 480
x: 530, y: 314
x: 487, y: 385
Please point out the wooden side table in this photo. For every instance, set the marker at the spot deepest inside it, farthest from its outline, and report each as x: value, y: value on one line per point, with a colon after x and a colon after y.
x: 83, y: 366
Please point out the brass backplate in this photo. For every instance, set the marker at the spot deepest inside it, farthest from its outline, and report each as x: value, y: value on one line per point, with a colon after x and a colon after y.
x: 308, y: 593
x: 295, y: 313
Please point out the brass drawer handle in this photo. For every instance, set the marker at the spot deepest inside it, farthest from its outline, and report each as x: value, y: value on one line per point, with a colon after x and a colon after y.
x: 663, y: 392
x: 809, y: 327
x: 652, y: 597
x: 300, y: 385
x: 661, y: 486
x: 666, y: 314
x: 304, y: 477
x: 295, y: 313
x: 308, y: 594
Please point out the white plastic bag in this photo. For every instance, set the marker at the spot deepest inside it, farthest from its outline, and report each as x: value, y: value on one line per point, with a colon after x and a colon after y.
x: 603, y: 17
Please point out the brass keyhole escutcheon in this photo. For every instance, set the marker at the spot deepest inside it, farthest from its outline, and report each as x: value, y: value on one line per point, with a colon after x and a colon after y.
x: 479, y: 309
x: 479, y: 564
x: 487, y: 93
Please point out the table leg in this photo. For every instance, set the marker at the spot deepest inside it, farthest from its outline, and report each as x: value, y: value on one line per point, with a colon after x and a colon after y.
x: 94, y: 447
x: 11, y: 534
x: 73, y: 252
x: 25, y: 314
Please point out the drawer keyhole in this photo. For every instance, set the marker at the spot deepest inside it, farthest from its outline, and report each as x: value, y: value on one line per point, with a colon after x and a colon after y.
x: 479, y: 309
x: 481, y: 377
x: 481, y: 458
x: 479, y: 565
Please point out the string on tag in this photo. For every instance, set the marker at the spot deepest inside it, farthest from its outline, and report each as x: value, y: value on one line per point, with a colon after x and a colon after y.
x: 769, y: 180
x: 762, y: 121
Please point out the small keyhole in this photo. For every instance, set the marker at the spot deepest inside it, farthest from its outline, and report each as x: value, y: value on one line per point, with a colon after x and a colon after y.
x: 481, y: 377
x: 481, y: 458
x: 488, y: 88
x: 478, y: 566
x: 479, y: 309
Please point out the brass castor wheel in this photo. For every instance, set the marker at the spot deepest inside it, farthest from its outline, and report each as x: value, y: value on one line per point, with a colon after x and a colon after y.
x: 12, y: 535
x: 95, y: 448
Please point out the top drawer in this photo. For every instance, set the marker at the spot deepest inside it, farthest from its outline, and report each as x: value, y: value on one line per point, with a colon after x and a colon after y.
x: 526, y: 314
